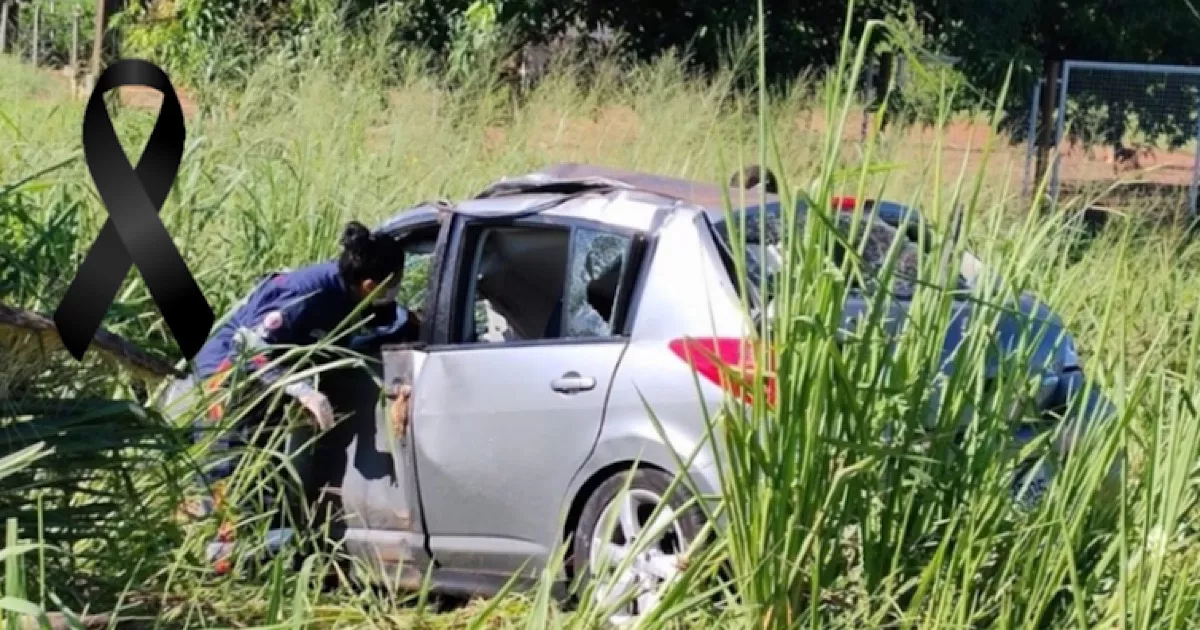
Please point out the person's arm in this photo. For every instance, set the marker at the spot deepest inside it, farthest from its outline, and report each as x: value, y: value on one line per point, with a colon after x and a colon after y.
x: 403, y: 326
x: 284, y: 326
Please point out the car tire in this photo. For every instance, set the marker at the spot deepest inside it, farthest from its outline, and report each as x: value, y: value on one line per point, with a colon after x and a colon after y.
x: 617, y: 505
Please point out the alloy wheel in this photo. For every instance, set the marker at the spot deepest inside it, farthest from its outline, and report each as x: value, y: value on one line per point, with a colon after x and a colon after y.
x: 636, y: 553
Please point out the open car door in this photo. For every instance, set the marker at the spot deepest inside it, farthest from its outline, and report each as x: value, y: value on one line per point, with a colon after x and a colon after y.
x: 382, y: 510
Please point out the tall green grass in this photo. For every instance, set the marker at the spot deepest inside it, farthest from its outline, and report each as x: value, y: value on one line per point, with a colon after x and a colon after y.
x: 827, y: 524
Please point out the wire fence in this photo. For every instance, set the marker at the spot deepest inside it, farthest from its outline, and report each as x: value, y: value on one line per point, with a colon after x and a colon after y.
x: 1121, y: 131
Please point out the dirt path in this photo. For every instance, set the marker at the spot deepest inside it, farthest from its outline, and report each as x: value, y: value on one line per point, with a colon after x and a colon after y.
x: 151, y: 99
x: 137, y: 96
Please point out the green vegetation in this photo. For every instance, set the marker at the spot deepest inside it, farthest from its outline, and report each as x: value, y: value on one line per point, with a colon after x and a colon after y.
x: 194, y: 37
x: 828, y: 526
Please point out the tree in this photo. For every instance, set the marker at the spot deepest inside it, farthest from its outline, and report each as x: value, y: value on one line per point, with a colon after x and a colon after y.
x: 988, y: 35
x: 799, y: 34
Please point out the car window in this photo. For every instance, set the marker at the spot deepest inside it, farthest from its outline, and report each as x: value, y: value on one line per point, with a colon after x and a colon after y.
x: 418, y: 258
x: 542, y: 282
x: 415, y: 285
x: 593, y: 284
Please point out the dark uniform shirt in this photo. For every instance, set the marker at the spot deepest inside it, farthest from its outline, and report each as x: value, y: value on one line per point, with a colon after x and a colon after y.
x: 294, y: 308
x: 290, y: 308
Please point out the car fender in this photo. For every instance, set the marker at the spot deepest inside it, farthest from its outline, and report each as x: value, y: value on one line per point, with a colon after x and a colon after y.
x: 623, y: 444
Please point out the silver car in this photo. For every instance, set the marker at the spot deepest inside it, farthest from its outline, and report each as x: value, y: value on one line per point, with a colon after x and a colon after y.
x: 555, y: 309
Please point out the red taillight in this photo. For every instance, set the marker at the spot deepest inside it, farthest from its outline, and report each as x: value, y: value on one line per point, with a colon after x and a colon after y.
x: 725, y: 361
x: 844, y: 203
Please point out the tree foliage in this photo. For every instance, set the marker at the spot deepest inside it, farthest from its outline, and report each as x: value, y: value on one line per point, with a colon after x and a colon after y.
x: 986, y: 36
x: 990, y: 35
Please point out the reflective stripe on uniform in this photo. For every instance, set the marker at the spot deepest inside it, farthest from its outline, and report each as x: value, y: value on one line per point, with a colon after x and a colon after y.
x: 214, y: 382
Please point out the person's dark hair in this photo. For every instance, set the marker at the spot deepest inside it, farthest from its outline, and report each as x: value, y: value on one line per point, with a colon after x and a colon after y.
x: 367, y: 256
x: 754, y: 175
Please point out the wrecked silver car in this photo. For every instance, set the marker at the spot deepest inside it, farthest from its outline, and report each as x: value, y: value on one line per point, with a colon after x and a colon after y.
x: 556, y: 307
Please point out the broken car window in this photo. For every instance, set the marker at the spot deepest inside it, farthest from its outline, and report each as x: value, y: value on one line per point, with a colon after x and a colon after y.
x: 597, y: 263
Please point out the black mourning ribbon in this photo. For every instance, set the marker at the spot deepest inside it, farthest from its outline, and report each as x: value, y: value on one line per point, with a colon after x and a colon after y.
x: 133, y: 234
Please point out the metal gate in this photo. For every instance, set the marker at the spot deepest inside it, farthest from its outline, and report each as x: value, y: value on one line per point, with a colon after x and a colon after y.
x: 1144, y: 118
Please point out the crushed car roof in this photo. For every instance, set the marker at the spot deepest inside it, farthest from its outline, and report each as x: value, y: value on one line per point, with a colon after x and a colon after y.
x: 548, y: 189
x: 709, y: 196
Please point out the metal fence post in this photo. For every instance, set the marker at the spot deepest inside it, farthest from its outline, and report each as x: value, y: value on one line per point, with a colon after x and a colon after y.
x: 1192, y: 192
x: 1032, y: 137
x: 33, y: 45
x: 1058, y: 128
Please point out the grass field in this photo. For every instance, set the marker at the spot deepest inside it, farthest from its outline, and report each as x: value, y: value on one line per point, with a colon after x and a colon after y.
x: 828, y: 529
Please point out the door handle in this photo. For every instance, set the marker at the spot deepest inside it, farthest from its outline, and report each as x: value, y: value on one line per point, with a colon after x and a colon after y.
x: 572, y: 382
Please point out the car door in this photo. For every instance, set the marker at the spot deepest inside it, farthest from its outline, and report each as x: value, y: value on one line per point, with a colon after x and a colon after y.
x: 509, y: 402
x: 372, y: 453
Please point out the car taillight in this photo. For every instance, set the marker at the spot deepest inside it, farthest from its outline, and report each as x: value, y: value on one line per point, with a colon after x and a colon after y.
x: 727, y: 362
x: 844, y: 203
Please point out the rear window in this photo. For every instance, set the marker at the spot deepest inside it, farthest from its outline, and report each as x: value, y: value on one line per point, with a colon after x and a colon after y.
x: 764, y: 256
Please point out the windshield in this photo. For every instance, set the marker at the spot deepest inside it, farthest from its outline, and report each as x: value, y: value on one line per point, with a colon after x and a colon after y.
x: 764, y: 256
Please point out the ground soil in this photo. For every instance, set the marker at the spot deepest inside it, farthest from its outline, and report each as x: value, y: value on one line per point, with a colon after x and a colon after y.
x: 148, y: 98
x: 130, y: 95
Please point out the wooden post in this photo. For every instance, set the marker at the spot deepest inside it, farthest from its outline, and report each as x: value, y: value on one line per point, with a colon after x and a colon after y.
x: 75, y: 47
x: 98, y: 39
x: 112, y: 38
x: 3, y: 26
x: 33, y: 44
x: 1047, y: 117
x: 883, y: 80
x: 75, y: 38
